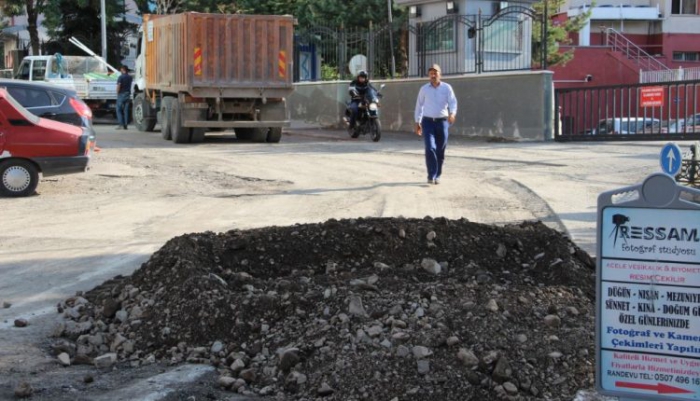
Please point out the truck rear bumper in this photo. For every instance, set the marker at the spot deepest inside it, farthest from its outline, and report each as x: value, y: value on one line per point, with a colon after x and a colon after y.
x: 234, y: 124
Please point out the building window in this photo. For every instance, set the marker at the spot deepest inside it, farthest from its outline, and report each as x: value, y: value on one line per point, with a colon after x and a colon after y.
x: 686, y: 56
x: 683, y: 7
x: 437, y: 36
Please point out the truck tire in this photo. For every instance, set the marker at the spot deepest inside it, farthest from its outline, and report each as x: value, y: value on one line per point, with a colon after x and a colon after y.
x: 197, y: 134
x: 274, y: 135
x: 18, y: 177
x: 166, y: 109
x: 179, y: 133
x: 260, y: 134
x: 143, y: 114
x: 244, y: 134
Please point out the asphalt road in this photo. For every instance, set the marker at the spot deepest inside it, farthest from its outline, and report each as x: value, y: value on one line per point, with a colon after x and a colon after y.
x: 80, y: 230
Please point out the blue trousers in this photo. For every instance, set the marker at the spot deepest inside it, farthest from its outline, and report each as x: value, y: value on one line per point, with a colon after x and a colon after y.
x: 123, y: 108
x: 435, y: 136
x: 353, y: 106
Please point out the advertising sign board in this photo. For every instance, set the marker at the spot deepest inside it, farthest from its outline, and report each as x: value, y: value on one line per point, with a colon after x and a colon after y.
x: 648, y: 291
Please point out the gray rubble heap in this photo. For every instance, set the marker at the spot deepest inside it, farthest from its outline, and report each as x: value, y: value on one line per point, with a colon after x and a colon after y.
x: 366, y: 309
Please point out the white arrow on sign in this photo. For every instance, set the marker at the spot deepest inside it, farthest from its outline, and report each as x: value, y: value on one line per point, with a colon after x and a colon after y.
x: 671, y: 156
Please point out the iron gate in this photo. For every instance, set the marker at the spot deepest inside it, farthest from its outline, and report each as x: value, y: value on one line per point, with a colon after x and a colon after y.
x: 464, y: 44
x: 508, y: 38
x: 668, y: 110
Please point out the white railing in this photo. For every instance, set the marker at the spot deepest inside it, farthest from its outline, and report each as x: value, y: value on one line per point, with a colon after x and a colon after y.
x: 681, y: 74
x: 644, y: 60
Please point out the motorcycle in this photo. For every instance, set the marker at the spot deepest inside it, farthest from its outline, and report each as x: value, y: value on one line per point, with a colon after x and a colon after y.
x: 367, y: 121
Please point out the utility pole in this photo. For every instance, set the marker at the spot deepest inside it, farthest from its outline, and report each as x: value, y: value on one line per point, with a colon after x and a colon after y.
x: 104, y: 29
x: 391, y: 40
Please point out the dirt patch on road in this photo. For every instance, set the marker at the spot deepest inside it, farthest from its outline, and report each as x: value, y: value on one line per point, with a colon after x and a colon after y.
x: 366, y: 309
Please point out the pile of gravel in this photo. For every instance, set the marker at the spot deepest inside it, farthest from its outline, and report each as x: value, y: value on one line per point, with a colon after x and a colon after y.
x: 366, y: 309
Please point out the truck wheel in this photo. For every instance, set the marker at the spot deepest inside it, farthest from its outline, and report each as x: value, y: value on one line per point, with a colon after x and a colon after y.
x: 274, y: 135
x: 166, y: 108
x: 244, y: 134
x: 179, y: 133
x: 197, y: 134
x: 143, y: 114
x: 18, y: 178
x: 260, y: 134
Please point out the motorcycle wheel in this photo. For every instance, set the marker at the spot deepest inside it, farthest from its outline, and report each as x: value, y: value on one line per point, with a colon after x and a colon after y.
x: 375, y: 130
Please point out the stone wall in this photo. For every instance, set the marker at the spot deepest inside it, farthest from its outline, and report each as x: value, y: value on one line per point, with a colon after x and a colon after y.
x: 506, y: 105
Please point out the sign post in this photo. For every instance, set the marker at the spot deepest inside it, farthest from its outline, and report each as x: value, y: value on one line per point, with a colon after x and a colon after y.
x: 648, y: 292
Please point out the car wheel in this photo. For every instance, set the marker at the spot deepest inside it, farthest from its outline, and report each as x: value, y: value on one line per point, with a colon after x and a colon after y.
x: 166, y: 110
x: 18, y: 177
x: 143, y: 114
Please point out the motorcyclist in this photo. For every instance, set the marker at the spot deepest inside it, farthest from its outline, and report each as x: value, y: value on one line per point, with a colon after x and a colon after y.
x: 360, y: 89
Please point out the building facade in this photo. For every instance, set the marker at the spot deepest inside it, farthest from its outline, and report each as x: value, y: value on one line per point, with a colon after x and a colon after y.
x: 662, y: 35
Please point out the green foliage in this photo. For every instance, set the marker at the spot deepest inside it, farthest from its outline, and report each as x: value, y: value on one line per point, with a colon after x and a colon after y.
x: 557, y: 34
x: 81, y: 19
x: 357, y: 13
x: 30, y: 8
x: 329, y: 73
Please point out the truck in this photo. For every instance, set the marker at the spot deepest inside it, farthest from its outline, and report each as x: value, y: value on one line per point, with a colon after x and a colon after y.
x: 197, y: 72
x: 93, y: 82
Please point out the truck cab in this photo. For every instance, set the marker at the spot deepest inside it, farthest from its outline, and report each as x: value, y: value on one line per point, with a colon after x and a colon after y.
x: 88, y: 77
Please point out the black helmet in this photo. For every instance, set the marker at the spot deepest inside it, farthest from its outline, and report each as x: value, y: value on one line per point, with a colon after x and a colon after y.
x: 362, y: 74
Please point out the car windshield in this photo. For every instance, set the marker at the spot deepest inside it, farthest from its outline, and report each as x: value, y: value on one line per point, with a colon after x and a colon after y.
x: 27, y: 115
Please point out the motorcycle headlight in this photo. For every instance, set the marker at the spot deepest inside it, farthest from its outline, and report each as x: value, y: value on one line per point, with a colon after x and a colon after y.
x: 373, y: 106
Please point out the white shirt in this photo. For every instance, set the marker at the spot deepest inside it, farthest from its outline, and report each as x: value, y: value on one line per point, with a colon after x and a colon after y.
x: 435, y: 102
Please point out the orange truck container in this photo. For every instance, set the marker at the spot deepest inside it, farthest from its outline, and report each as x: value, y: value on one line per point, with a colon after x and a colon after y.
x: 198, y: 71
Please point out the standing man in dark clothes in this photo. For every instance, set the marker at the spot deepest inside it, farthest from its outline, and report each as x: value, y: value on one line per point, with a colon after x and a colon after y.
x: 123, y: 97
x: 436, y: 109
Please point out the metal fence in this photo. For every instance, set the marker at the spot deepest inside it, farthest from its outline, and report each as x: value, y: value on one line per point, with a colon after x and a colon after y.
x: 507, y: 39
x: 668, y: 110
x: 330, y: 53
x: 681, y: 74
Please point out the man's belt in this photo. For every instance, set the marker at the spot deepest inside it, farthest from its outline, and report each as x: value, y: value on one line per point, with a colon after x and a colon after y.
x: 436, y: 120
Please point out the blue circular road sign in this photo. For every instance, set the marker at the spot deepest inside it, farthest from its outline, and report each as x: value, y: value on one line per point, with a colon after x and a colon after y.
x: 671, y: 159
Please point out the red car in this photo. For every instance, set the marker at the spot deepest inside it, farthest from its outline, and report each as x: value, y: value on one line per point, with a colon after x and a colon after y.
x: 30, y: 145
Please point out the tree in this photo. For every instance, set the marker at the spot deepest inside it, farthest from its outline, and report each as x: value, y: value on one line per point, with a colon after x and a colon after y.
x: 557, y: 34
x: 30, y: 8
x: 81, y: 19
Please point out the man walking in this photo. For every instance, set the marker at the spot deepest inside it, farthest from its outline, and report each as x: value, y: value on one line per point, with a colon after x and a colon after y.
x: 436, y: 108
x: 123, y: 97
